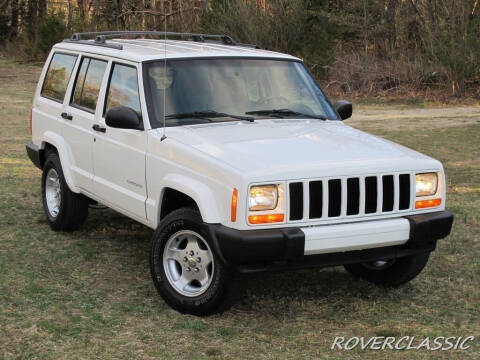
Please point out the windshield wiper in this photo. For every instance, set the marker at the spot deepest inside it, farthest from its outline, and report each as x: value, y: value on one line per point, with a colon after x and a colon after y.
x: 283, y: 113
x: 206, y: 115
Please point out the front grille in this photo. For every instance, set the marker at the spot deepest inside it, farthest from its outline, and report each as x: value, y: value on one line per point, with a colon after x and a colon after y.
x: 316, y: 192
x: 334, y: 197
x: 388, y: 193
x: 350, y: 196
x: 353, y: 196
x: 404, y: 192
x: 370, y: 194
x: 296, y: 201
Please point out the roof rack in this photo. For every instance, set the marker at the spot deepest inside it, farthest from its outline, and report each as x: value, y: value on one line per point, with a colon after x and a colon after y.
x: 101, y: 37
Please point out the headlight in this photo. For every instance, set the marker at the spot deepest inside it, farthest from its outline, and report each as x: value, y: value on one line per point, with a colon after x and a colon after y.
x: 264, y: 197
x: 426, y: 184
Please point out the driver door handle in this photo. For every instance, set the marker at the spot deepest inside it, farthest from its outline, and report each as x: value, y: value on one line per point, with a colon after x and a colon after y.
x: 66, y: 116
x: 99, y: 128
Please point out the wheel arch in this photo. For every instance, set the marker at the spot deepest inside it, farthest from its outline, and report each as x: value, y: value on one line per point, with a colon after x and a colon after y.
x: 173, y: 199
x: 186, y: 192
x: 53, y: 141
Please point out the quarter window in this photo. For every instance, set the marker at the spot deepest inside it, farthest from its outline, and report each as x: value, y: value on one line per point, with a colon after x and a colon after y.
x: 89, y: 80
x: 123, y: 89
x: 58, y: 76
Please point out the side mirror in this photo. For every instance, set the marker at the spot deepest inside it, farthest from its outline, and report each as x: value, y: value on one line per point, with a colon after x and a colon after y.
x: 123, y: 117
x: 343, y: 108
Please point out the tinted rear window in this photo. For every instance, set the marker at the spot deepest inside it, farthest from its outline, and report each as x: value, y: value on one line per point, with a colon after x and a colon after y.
x: 89, y: 80
x: 58, y: 75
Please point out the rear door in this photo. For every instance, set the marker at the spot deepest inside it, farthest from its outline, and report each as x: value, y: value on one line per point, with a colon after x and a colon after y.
x: 80, y: 115
x: 119, y: 154
x: 50, y: 105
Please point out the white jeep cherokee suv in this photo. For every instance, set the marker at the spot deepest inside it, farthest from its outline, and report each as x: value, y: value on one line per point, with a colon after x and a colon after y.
x: 235, y: 157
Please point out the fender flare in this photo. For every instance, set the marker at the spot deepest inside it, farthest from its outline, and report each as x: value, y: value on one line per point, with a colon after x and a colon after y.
x: 63, y: 150
x: 198, y: 191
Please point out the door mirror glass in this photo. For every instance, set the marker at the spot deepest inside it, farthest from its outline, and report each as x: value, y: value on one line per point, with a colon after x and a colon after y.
x: 343, y: 108
x: 123, y: 117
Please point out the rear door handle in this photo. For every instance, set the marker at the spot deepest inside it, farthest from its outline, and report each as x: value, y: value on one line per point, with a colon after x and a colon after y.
x: 66, y: 116
x: 99, y: 128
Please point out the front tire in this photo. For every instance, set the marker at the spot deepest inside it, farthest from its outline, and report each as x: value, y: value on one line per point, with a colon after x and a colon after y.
x: 390, y: 273
x: 186, y: 269
x: 64, y: 209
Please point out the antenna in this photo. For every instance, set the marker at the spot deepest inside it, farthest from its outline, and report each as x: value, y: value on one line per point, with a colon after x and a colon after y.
x: 164, y: 136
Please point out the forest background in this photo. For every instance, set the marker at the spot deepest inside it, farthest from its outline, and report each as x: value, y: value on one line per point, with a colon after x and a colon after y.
x: 427, y: 49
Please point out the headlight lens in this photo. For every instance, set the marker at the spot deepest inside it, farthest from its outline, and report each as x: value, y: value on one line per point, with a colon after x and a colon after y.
x: 426, y: 184
x: 264, y: 197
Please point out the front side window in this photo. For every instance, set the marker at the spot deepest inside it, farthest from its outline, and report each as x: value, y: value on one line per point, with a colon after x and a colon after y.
x: 123, y: 88
x: 58, y: 76
x: 240, y: 87
x: 89, y: 80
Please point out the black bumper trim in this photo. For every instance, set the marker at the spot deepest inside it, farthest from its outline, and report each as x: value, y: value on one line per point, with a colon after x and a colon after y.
x: 429, y: 227
x: 337, y: 259
x: 250, y: 246
x: 33, y: 152
x: 277, y: 249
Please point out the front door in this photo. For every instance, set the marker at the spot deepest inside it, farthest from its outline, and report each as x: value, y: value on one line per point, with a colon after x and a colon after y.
x: 119, y: 154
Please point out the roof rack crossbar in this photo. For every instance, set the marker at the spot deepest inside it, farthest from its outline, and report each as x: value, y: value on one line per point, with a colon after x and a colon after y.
x: 102, y: 36
x: 86, y: 42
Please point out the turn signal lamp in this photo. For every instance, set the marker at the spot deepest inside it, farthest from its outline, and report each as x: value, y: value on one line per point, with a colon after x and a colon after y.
x: 266, y: 219
x: 234, y: 205
x: 422, y: 204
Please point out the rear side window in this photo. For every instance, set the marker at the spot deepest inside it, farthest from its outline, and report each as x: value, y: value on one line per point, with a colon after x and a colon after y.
x: 58, y: 75
x: 89, y: 80
x: 123, y: 88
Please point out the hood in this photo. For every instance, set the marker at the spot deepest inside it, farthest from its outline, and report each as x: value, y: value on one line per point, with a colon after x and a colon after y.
x: 299, y: 148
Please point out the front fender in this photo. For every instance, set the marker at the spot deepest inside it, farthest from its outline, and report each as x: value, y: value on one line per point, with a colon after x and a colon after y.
x: 64, y: 153
x: 201, y: 193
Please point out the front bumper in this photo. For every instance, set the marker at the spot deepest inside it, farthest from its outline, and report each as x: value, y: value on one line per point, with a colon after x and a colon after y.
x: 276, y: 249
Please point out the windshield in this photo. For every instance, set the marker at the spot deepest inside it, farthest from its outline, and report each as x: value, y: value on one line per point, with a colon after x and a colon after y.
x: 231, y: 87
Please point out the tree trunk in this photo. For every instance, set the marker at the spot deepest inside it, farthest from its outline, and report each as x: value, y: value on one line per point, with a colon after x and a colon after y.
x: 14, y: 19
x: 42, y: 8
x: 70, y: 15
x: 32, y: 18
x: 81, y: 8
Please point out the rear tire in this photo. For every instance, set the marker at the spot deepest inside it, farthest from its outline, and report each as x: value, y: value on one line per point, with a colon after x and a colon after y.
x: 390, y: 273
x: 186, y: 269
x: 65, y: 210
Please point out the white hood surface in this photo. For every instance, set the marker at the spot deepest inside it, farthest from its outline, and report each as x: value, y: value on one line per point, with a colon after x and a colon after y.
x: 298, y: 148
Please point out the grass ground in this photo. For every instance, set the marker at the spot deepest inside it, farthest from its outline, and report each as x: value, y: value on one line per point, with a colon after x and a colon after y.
x: 88, y: 294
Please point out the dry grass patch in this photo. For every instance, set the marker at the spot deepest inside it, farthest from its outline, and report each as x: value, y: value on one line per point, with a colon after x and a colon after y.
x: 88, y: 294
